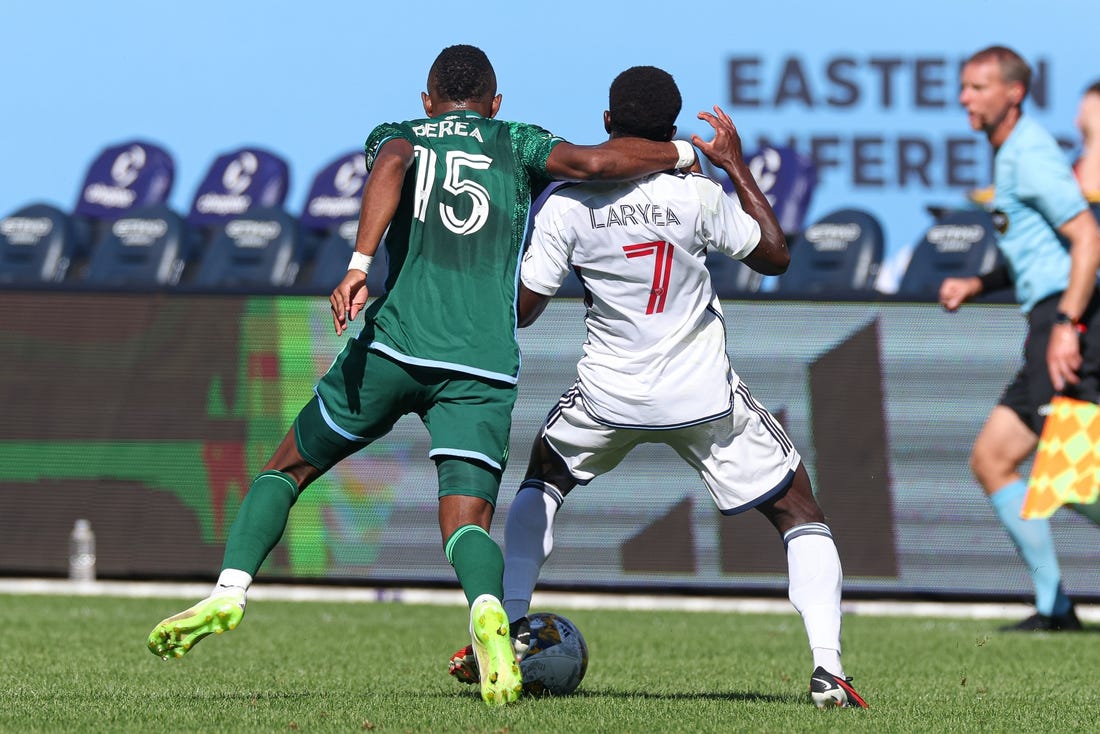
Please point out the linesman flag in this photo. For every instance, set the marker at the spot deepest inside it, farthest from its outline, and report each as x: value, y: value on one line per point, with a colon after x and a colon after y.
x: 1067, y: 462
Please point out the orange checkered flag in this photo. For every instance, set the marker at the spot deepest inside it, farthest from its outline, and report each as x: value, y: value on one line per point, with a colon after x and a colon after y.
x: 1067, y: 462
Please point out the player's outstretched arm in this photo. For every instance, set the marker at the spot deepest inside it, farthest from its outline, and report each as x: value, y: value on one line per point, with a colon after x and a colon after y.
x: 381, y: 195
x: 530, y: 305
x: 954, y: 292
x: 617, y: 159
x: 771, y: 256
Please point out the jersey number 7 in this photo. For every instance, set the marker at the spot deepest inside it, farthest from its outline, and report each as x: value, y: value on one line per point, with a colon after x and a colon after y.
x: 662, y: 267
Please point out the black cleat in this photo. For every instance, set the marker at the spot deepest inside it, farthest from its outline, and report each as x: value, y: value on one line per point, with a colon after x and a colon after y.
x: 1067, y: 622
x: 827, y: 690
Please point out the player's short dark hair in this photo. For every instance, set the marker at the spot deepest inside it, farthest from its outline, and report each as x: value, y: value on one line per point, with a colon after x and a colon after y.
x: 1093, y: 88
x: 1013, y: 66
x: 644, y: 102
x: 462, y: 73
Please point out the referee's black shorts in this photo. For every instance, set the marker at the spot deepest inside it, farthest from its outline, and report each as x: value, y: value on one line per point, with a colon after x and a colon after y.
x: 1030, y: 391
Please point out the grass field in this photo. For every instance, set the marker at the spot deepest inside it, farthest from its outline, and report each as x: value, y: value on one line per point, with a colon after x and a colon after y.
x: 75, y: 664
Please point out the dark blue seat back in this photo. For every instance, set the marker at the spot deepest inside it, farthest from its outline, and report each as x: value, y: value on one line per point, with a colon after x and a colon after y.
x: 732, y: 278
x: 330, y: 263
x: 126, y: 177
x: 961, y: 244
x: 837, y: 256
x: 36, y: 245
x: 238, y: 182
x: 335, y: 194
x: 146, y: 248
x: 258, y: 249
x: 122, y: 177
x: 788, y: 179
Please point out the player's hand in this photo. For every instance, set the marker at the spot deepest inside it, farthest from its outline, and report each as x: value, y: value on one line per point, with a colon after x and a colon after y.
x: 348, y: 299
x: 956, y: 291
x: 725, y: 149
x: 1064, y: 356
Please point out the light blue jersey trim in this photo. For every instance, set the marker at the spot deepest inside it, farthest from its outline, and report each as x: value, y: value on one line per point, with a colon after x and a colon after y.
x: 332, y: 423
x: 436, y: 364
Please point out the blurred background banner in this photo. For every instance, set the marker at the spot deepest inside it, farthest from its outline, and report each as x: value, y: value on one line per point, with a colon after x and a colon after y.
x: 866, y: 90
x: 149, y: 414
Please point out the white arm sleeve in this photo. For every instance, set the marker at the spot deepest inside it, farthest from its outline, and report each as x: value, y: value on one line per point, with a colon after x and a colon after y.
x: 546, y: 263
x: 723, y: 224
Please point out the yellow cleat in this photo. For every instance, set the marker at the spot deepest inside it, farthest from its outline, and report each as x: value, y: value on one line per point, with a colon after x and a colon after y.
x: 176, y: 635
x: 501, y: 681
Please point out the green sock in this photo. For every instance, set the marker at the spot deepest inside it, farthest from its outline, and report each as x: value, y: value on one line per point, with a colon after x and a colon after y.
x: 477, y: 561
x: 260, y: 522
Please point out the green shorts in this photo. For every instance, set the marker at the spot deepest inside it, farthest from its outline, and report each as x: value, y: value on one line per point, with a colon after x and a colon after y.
x: 364, y: 393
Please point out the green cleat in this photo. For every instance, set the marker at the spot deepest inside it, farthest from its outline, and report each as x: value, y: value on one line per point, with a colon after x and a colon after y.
x: 175, y: 636
x: 501, y: 681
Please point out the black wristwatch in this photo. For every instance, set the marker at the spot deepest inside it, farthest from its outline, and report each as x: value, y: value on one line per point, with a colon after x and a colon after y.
x: 1064, y: 318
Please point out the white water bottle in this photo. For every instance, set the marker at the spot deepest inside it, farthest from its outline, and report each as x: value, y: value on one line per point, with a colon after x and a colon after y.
x: 82, y: 552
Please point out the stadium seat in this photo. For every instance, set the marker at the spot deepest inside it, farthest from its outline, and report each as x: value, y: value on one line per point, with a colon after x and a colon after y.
x: 837, y: 256
x: 788, y: 179
x: 237, y: 182
x: 123, y: 177
x: 960, y: 244
x: 36, y: 245
x: 335, y: 194
x: 329, y: 220
x: 330, y: 263
x: 238, y: 226
x: 43, y: 244
x: 146, y: 248
x: 259, y: 249
x: 732, y: 278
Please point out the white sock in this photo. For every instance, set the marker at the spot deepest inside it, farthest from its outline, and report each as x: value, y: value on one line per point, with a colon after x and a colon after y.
x: 528, y: 541
x: 231, y: 579
x: 815, y: 582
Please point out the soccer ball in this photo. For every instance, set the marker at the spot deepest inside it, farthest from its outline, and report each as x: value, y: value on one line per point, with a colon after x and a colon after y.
x: 557, y: 659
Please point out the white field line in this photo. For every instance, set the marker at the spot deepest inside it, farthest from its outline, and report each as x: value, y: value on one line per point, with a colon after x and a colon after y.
x: 542, y: 600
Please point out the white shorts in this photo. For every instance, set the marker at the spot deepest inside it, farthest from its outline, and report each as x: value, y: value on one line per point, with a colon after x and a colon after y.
x: 744, y: 458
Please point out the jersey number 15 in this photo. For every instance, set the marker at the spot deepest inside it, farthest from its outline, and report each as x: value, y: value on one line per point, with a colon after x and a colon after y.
x: 453, y: 183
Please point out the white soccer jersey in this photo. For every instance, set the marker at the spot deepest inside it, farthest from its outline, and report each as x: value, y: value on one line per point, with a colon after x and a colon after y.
x: 655, y: 356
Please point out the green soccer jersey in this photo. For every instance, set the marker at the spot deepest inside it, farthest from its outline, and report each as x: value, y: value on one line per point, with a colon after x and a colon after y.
x: 455, y: 242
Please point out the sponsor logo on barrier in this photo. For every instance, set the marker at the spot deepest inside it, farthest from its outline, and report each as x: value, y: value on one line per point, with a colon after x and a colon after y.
x: 25, y: 230
x: 127, y: 166
x: 828, y: 237
x: 764, y: 167
x: 139, y: 232
x: 223, y: 203
x: 334, y: 206
x: 115, y: 197
x: 252, y: 233
x: 350, y: 176
x: 238, y: 174
x: 955, y: 237
x: 349, y: 229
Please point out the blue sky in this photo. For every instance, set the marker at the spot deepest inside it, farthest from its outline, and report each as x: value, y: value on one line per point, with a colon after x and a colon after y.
x: 309, y: 80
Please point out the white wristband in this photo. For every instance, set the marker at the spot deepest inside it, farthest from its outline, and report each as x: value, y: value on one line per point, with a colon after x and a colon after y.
x: 686, y: 151
x: 359, y: 261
